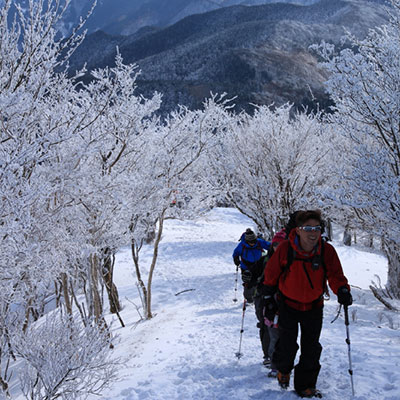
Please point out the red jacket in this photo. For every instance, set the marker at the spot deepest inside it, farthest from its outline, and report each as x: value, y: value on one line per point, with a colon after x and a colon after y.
x: 294, y: 283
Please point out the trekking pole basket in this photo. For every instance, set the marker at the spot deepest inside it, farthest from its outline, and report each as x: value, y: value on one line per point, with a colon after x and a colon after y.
x: 239, y: 354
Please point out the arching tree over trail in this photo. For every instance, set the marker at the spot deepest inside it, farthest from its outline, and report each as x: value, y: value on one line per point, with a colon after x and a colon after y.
x: 365, y: 86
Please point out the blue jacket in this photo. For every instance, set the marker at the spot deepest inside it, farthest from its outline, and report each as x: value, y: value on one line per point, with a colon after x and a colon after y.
x: 249, y: 255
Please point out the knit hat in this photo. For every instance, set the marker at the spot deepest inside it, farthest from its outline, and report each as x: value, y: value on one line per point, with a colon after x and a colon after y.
x: 279, y: 236
x: 250, y: 236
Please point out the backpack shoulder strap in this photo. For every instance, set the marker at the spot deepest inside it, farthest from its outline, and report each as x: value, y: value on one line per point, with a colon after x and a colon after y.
x: 263, y: 261
x: 325, y: 286
x: 291, y: 254
x: 323, y: 254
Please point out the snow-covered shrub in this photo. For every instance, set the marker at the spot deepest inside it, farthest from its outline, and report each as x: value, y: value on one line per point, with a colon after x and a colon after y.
x: 62, y: 358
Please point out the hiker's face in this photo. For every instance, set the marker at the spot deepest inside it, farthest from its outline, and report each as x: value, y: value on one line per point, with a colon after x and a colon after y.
x: 308, y: 240
x: 253, y: 243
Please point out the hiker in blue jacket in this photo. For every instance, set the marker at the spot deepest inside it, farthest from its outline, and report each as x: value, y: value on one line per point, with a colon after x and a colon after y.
x: 251, y: 254
x: 247, y: 255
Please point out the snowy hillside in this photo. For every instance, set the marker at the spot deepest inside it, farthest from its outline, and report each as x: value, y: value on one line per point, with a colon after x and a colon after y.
x: 187, y: 351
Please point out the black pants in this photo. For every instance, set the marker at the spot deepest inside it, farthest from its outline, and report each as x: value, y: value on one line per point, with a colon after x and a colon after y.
x: 264, y: 334
x: 249, y: 292
x: 307, y: 370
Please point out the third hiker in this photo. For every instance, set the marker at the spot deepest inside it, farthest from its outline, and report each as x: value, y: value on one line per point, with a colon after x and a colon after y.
x: 247, y: 255
x: 251, y: 255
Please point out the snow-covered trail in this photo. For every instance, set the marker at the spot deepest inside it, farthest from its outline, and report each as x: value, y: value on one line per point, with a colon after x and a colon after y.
x: 187, y: 351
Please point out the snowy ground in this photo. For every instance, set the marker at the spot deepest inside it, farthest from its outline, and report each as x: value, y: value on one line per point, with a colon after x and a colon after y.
x: 187, y: 351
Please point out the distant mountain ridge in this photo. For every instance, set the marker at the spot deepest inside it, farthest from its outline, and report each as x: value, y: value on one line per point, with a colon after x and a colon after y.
x: 163, y: 13
x: 258, y: 53
x: 125, y: 17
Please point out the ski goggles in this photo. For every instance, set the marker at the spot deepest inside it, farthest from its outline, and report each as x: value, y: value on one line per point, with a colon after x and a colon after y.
x: 310, y: 228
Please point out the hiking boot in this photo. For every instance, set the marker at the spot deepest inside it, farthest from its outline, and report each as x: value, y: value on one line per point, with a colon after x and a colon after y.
x: 283, y: 380
x: 309, y: 393
x: 266, y: 362
x: 273, y: 373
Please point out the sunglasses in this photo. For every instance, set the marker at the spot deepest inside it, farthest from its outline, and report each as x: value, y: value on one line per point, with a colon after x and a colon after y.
x: 310, y: 228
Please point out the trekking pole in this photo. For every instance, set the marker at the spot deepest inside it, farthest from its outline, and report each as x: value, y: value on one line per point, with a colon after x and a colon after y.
x: 236, y: 283
x: 239, y: 354
x: 346, y: 321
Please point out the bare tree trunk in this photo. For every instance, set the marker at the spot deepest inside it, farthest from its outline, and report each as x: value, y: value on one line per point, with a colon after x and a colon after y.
x: 4, y: 386
x: 27, y: 312
x: 97, y: 306
x: 80, y: 309
x: 146, y: 290
x: 135, y: 255
x: 108, y: 273
x: 392, y: 251
x: 87, y: 289
x: 329, y: 229
x: 370, y: 241
x: 153, y: 264
x: 57, y: 293
x: 65, y: 290
x: 347, y: 236
x: 112, y: 292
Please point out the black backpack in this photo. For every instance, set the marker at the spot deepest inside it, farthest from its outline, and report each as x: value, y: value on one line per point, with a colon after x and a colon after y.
x: 291, y: 224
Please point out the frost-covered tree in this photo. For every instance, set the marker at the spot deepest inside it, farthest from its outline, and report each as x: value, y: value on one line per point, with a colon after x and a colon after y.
x: 32, y: 127
x: 106, y: 180
x: 64, y: 148
x: 365, y: 85
x: 173, y: 181
x: 338, y: 198
x: 272, y: 163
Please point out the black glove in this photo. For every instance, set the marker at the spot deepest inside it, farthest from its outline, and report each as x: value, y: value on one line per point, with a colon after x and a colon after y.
x: 267, y: 290
x: 236, y: 260
x: 344, y: 296
x: 246, y: 276
x: 270, y: 307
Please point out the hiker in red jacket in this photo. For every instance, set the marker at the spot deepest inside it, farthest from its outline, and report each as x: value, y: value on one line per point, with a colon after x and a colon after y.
x: 298, y: 272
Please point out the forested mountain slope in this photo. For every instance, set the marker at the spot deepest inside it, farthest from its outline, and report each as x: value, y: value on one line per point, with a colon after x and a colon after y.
x: 259, y: 53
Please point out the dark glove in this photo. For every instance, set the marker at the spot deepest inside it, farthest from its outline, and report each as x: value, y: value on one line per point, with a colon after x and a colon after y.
x: 267, y: 290
x: 270, y: 307
x: 246, y: 276
x: 344, y: 296
x: 236, y: 260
